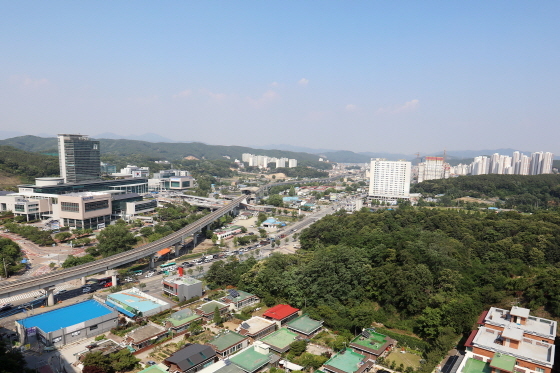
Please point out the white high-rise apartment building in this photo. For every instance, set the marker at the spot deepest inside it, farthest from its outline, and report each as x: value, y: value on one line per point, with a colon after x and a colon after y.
x: 389, y: 180
x: 547, y: 159
x: 292, y: 163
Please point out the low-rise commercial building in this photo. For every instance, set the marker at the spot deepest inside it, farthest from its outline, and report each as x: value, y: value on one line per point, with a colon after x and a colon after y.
x: 84, y: 210
x: 135, y: 303
x: 182, y: 287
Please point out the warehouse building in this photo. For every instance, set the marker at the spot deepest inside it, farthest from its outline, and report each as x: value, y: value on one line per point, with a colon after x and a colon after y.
x: 69, y: 324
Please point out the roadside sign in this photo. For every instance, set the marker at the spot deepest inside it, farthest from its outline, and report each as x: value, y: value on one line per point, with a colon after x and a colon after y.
x: 100, y: 225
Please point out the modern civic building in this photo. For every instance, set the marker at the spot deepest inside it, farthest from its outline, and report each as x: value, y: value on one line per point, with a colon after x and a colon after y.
x: 389, y: 180
x: 79, y: 158
x: 68, y: 324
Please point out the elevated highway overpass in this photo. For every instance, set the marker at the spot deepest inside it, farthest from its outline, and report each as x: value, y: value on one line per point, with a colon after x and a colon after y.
x: 48, y: 281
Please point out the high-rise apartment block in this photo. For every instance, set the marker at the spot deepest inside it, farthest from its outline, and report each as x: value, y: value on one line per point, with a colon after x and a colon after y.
x: 518, y: 164
x: 79, y: 158
x: 389, y: 180
x: 433, y: 168
x: 263, y: 161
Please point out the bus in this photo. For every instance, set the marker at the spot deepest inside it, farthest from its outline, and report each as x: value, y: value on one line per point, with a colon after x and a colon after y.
x: 167, y: 265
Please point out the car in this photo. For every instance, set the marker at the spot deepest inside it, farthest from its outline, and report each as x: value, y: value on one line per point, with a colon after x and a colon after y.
x: 108, y: 285
x: 60, y: 291
x: 150, y: 362
x: 128, y: 279
x: 6, y: 306
x: 149, y: 274
x: 86, y: 290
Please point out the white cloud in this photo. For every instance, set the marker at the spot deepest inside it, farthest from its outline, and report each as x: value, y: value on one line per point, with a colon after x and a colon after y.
x: 28, y: 82
x: 216, y: 96
x: 265, y: 98
x: 274, y: 84
x: 406, y: 107
x: 351, y: 107
x: 182, y: 94
x: 303, y: 82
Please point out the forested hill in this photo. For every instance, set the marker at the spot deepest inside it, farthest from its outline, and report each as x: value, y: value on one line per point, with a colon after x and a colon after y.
x: 424, y: 271
x: 159, y: 151
x: 523, y: 192
x: 24, y: 166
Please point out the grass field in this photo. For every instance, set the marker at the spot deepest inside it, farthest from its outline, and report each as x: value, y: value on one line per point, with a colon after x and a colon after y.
x: 407, y: 359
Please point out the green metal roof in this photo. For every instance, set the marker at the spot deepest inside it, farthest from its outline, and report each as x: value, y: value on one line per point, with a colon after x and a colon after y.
x: 226, y: 340
x: 348, y: 362
x: 304, y: 324
x: 476, y: 366
x: 503, y: 362
x: 374, y: 342
x: 249, y: 360
x: 211, y: 306
x: 179, y: 322
x: 281, y: 338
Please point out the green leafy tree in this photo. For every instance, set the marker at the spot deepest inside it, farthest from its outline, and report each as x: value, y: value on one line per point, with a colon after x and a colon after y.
x: 123, y: 360
x: 115, y: 239
x: 97, y: 359
x: 217, y: 317
x: 298, y: 347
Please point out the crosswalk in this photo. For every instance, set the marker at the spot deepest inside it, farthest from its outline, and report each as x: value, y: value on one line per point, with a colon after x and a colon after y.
x: 32, y: 294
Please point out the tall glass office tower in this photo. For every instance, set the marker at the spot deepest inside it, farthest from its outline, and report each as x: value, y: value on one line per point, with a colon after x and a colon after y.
x: 79, y: 158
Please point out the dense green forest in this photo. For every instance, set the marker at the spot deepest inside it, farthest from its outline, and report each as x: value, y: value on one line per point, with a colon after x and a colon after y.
x: 426, y: 271
x: 26, y: 165
x: 158, y: 151
x: 522, y: 192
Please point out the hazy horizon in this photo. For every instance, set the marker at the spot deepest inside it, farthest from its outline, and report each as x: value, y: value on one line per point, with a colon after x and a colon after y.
x: 396, y: 77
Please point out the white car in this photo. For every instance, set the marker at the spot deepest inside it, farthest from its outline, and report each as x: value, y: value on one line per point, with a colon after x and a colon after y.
x: 149, y: 274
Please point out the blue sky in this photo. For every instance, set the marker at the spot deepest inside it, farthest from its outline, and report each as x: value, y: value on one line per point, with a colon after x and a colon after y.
x: 397, y: 76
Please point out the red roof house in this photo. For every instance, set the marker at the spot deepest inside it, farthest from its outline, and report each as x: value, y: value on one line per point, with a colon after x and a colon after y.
x: 281, y: 313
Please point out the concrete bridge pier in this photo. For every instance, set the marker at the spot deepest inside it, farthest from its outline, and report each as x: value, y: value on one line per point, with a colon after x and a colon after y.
x: 49, y: 292
x: 84, y: 280
x: 152, y: 261
x: 177, y: 249
x: 113, y: 274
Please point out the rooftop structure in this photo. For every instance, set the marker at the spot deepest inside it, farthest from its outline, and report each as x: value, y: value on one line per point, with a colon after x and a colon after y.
x: 183, y: 287
x: 222, y: 366
x: 145, y: 335
x: 347, y: 361
x: 68, y: 324
x: 256, y: 327
x: 511, y: 341
x: 191, y: 358
x: 208, y: 308
x: 280, y: 340
x: 281, y: 313
x: 181, y: 320
x: 304, y: 325
x: 133, y: 302
x: 254, y: 357
x: 228, y: 343
x: 519, y: 318
x: 238, y: 299
x: 372, y: 344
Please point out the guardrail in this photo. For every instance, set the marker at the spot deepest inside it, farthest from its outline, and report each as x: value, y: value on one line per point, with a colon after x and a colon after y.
x: 9, y: 288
